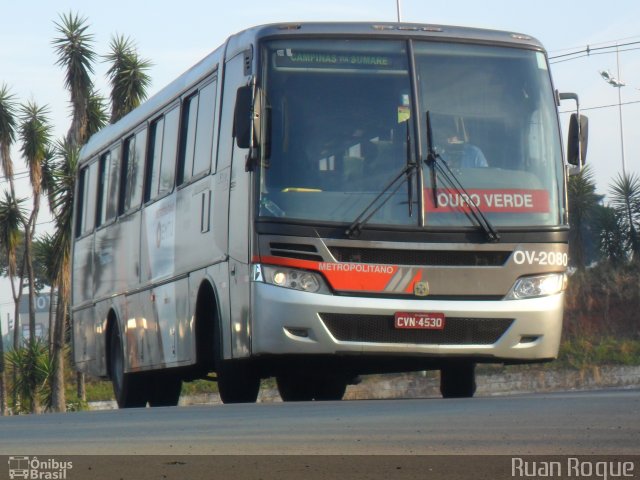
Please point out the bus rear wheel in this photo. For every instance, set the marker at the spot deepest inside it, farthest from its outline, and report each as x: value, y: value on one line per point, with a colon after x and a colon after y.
x: 130, y: 389
x: 238, y: 381
x: 458, y: 380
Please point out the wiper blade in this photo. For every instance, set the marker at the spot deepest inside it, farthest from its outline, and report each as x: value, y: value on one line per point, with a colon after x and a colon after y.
x: 432, y: 159
x: 369, y: 211
x: 439, y: 166
x: 410, y: 162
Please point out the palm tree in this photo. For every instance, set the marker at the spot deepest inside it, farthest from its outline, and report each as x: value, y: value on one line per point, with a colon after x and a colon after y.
x: 11, y: 220
x: 625, y: 199
x: 46, y: 256
x: 75, y: 54
x: 35, y: 134
x: 98, y: 115
x: 583, y: 202
x: 127, y: 75
x: 3, y: 383
x: 62, y: 196
x: 11, y: 211
x: 7, y: 133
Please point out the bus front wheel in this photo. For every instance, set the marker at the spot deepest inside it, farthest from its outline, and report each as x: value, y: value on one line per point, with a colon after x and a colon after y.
x: 238, y: 381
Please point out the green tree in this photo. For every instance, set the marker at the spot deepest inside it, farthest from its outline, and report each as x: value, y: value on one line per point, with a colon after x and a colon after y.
x: 98, y: 116
x: 32, y: 367
x: 11, y: 209
x: 612, y: 240
x: 3, y: 383
x: 583, y: 205
x: 44, y: 249
x: 62, y: 195
x: 74, y: 48
x: 625, y: 200
x: 35, y: 135
x: 7, y: 137
x: 7, y: 134
x: 127, y: 76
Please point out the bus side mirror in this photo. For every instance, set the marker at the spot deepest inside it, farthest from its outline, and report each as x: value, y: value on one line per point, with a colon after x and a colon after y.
x: 578, y: 139
x: 242, y: 116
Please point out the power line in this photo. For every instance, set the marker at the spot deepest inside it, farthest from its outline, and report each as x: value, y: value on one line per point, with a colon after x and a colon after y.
x: 587, y: 51
x: 606, y: 42
x: 582, y: 109
x: 592, y: 55
x: 16, y: 175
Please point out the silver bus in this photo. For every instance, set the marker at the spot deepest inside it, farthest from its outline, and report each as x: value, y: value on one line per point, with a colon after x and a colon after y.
x: 318, y: 201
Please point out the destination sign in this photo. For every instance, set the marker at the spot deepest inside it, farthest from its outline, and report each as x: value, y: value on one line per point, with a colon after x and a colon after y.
x: 306, y: 59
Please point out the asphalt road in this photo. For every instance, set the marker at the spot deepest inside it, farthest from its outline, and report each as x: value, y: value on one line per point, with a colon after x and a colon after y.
x: 603, y: 423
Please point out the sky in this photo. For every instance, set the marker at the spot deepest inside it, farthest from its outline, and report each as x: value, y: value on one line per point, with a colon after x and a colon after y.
x: 175, y: 35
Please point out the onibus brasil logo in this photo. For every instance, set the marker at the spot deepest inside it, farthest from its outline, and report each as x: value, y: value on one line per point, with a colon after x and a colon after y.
x: 38, y: 469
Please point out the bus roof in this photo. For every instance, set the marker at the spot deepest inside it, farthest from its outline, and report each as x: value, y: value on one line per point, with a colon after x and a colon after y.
x: 241, y: 40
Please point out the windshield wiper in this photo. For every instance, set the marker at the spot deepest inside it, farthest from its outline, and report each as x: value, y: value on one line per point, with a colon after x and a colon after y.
x: 439, y: 167
x: 369, y: 211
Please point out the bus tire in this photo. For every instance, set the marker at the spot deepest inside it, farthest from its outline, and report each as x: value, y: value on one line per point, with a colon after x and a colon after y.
x: 329, y: 388
x: 458, y: 380
x: 294, y: 388
x: 164, y: 389
x: 130, y: 389
x: 238, y: 382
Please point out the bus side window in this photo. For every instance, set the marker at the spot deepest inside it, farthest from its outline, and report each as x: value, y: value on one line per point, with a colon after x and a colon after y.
x: 103, y: 188
x: 131, y: 177
x: 205, y: 129
x: 154, y: 156
x: 114, y: 172
x: 187, y: 138
x: 169, y: 149
x: 85, y: 220
x: 80, y: 202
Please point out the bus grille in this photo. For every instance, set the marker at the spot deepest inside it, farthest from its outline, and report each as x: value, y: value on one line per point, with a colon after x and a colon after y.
x: 380, y: 329
x: 454, y: 258
x: 295, y: 250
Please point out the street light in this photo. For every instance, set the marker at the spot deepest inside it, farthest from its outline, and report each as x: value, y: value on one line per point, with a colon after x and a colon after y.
x: 615, y: 81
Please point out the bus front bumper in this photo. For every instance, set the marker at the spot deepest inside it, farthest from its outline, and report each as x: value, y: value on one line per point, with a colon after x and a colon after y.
x: 290, y: 322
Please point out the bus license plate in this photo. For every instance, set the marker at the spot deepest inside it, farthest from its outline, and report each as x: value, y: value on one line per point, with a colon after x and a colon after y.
x: 420, y: 320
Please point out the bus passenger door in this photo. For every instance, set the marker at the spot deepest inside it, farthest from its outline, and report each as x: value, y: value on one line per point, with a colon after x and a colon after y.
x: 238, y: 329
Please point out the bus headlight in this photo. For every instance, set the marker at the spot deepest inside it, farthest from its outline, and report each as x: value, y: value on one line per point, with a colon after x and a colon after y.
x: 293, y: 278
x: 538, y: 286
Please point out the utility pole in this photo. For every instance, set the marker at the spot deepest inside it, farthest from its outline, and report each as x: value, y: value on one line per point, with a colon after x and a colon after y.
x: 398, y: 10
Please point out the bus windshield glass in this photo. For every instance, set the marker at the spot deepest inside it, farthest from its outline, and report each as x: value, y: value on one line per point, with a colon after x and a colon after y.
x: 340, y: 128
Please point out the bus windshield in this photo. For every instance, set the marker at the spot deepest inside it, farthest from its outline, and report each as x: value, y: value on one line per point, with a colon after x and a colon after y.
x: 341, y: 127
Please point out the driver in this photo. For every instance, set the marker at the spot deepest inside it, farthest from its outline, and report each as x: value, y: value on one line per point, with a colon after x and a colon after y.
x: 457, y: 152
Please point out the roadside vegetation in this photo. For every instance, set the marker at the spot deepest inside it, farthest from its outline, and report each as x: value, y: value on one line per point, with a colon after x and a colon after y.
x: 34, y: 374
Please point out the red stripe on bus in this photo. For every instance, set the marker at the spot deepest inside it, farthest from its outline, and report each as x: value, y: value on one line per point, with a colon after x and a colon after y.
x: 353, y: 277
